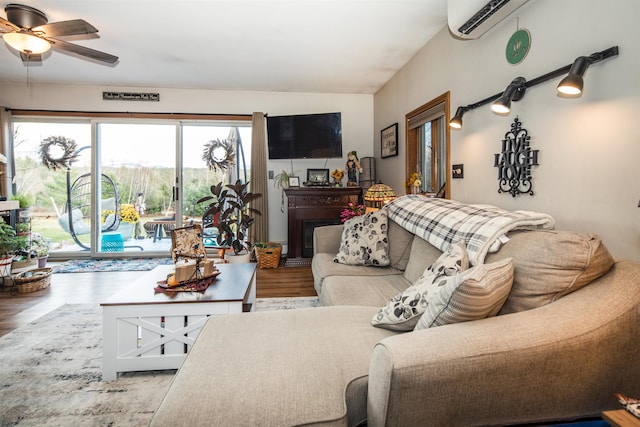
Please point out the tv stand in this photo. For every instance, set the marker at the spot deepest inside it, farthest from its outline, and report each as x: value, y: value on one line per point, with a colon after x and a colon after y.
x: 310, y: 207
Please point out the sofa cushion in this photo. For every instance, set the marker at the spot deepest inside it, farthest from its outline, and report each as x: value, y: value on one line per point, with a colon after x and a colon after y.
x: 322, y: 266
x: 476, y: 293
x: 403, y: 311
x: 399, y: 245
x: 313, y: 370
x: 364, y: 240
x: 422, y: 255
x: 373, y: 291
x: 551, y: 264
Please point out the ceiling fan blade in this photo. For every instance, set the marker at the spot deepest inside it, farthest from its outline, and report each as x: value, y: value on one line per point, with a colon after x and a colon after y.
x: 84, y: 51
x: 30, y: 57
x: 6, y: 25
x: 66, y: 28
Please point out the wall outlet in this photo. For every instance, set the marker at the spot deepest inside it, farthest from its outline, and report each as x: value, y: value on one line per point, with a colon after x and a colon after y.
x: 271, y: 175
x: 457, y: 171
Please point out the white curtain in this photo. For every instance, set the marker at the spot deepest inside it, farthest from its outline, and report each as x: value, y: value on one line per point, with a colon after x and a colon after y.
x: 5, y: 150
x: 259, y: 177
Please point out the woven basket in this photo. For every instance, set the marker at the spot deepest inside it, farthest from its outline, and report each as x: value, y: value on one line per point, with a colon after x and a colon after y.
x: 25, y: 263
x: 269, y: 257
x: 40, y: 278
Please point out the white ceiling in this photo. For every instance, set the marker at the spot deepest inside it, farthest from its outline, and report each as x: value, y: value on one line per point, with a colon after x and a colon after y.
x: 330, y: 46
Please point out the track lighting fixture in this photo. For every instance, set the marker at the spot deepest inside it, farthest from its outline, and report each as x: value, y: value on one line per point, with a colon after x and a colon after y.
x: 571, y: 85
x: 513, y: 92
x: 456, y: 121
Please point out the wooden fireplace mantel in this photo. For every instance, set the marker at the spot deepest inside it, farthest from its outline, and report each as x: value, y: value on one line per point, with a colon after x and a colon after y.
x: 314, y: 206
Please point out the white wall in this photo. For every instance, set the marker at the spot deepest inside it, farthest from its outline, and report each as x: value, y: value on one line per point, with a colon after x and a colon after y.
x: 357, y: 117
x: 589, y: 173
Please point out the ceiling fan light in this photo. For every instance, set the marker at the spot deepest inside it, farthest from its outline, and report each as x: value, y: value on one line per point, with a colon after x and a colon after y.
x: 26, y: 43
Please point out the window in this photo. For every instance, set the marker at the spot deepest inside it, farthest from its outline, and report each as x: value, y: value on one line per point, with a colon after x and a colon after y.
x: 147, y: 160
x: 428, y: 146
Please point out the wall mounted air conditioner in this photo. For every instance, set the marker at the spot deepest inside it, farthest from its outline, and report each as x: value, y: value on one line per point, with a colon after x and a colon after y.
x: 470, y: 19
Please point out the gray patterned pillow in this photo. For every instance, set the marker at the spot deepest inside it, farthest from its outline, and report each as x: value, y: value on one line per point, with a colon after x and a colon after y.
x: 364, y: 240
x: 405, y: 309
x: 475, y: 294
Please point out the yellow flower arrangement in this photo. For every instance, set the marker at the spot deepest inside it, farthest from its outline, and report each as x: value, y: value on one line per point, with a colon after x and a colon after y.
x: 129, y: 213
x: 337, y: 174
x: 415, y: 180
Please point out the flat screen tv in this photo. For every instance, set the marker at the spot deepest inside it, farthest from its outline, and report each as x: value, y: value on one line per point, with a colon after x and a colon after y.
x: 305, y: 136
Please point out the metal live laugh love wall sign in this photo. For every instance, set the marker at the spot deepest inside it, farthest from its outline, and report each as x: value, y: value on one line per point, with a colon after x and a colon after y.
x: 515, y: 161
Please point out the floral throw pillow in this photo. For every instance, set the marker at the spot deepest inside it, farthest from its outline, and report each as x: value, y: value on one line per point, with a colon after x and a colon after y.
x: 404, y: 310
x: 364, y: 240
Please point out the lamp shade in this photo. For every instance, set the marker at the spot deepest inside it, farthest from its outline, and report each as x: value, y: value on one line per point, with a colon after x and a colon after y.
x: 514, y: 92
x: 456, y: 121
x: 26, y: 43
x: 573, y: 83
x: 380, y: 193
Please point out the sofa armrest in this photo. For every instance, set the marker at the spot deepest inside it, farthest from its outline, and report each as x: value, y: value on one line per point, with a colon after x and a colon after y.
x: 563, y: 360
x: 327, y: 239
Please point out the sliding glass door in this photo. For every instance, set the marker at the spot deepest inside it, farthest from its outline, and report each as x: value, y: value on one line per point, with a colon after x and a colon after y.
x: 136, y: 163
x: 127, y: 183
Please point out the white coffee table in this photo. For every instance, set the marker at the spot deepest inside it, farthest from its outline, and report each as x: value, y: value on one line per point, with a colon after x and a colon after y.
x: 144, y: 330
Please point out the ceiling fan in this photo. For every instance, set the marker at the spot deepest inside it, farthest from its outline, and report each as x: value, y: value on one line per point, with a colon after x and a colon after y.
x: 28, y: 31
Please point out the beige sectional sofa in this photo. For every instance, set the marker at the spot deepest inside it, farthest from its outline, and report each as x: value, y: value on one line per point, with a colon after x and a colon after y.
x: 565, y: 341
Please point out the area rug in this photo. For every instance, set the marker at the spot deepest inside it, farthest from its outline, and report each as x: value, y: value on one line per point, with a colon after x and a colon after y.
x: 51, y: 372
x: 95, y: 265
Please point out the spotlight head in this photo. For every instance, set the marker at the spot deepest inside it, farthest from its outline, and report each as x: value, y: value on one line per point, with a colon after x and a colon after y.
x: 573, y: 83
x: 456, y: 121
x: 514, y: 92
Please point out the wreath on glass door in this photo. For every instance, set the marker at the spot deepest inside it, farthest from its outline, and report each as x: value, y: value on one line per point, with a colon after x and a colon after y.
x: 58, y: 152
x: 218, y: 154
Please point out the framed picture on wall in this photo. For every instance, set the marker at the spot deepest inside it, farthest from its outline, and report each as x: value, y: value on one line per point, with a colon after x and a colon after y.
x: 389, y: 141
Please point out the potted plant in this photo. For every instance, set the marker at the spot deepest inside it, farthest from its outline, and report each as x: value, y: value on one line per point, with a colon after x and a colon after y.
x: 231, y: 213
x: 25, y: 201
x: 129, y: 217
x: 282, y: 180
x: 9, y: 243
x: 41, y: 247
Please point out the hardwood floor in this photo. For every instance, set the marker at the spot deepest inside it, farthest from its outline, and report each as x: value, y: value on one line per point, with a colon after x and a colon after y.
x: 86, y: 288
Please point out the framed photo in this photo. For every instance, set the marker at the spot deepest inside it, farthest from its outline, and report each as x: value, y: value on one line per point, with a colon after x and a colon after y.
x: 294, y: 181
x: 389, y: 141
x: 317, y: 176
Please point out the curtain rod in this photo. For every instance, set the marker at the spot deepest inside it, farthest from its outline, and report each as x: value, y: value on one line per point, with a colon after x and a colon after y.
x: 125, y: 114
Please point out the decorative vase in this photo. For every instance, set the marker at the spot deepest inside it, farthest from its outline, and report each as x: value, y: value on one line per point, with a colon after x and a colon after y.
x: 42, y: 261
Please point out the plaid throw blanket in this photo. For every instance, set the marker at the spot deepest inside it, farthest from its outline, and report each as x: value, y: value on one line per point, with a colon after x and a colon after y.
x: 441, y: 222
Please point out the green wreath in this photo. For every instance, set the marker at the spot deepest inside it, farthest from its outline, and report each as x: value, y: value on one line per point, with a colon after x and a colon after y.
x: 69, y: 154
x: 218, y: 154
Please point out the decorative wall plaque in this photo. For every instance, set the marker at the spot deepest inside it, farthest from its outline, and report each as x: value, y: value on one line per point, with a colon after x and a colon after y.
x: 130, y: 96
x: 515, y: 161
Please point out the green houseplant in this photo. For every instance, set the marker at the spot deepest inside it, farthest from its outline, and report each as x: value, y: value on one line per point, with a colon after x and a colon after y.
x: 41, y: 247
x: 229, y: 210
x: 25, y: 201
x: 9, y: 244
x: 282, y: 180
